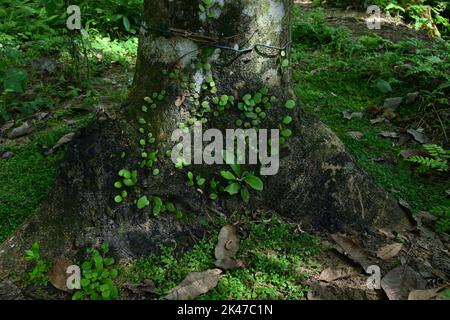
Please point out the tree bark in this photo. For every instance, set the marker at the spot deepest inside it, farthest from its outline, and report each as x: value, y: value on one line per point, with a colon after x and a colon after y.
x: 318, y: 182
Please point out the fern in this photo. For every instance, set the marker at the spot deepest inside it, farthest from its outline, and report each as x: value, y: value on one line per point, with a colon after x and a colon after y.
x: 437, y: 151
x: 437, y: 160
x: 443, y: 223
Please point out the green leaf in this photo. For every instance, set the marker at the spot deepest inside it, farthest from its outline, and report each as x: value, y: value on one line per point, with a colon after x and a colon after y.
x: 254, y: 182
x: 15, y: 80
x: 245, y: 195
x: 114, y: 273
x: 236, y: 168
x: 383, y: 86
x: 127, y: 174
x: 157, y: 201
x: 109, y: 261
x: 77, y: 295
x: 227, y: 175
x: 143, y: 202
x: 85, y: 282
x: 126, y: 24
x: 128, y: 182
x: 106, y: 294
x: 213, y: 196
x: 98, y: 261
x: 233, y: 188
x: 287, y: 120
x: 86, y: 266
x: 156, y: 210
x: 286, y: 133
x: 446, y: 293
x: 290, y: 104
x: 171, y: 207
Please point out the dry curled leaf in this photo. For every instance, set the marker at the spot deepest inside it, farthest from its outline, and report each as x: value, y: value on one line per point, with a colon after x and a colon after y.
x: 180, y: 100
x: 195, y: 284
x: 418, y: 135
x: 377, y: 120
x: 20, y: 131
x: 331, y: 274
x: 389, y: 134
x: 392, y: 103
x: 64, y: 140
x: 58, y: 274
x: 228, y: 244
x: 353, y: 250
x: 424, y: 294
x: 399, y: 282
x: 389, y: 251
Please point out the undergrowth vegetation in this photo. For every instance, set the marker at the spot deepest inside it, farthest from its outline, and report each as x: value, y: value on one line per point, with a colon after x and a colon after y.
x: 336, y: 72
x: 429, y: 15
x: 278, y: 259
x: 41, y: 58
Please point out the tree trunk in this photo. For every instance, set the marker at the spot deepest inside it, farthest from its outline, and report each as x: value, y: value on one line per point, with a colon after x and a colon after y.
x: 317, y: 184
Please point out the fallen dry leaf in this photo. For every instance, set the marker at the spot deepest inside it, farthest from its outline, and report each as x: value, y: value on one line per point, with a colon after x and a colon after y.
x: 331, y: 274
x: 411, y: 97
x: 389, y: 113
x: 195, y: 284
x: 349, y: 115
x: 228, y: 244
x: 389, y: 134
x: 229, y: 264
x: 353, y: 250
x: 399, y: 282
x: 20, y: 131
x: 389, y: 251
x: 64, y: 140
x: 377, y: 120
x: 392, y: 103
x: 180, y: 100
x: 424, y: 294
x: 418, y: 135
x: 58, y: 274
x: 144, y: 287
x: 355, y: 135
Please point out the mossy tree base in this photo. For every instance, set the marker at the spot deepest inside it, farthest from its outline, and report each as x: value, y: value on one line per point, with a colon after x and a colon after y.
x: 317, y: 184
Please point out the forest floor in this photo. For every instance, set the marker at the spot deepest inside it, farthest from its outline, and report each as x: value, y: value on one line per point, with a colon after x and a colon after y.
x: 344, y: 73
